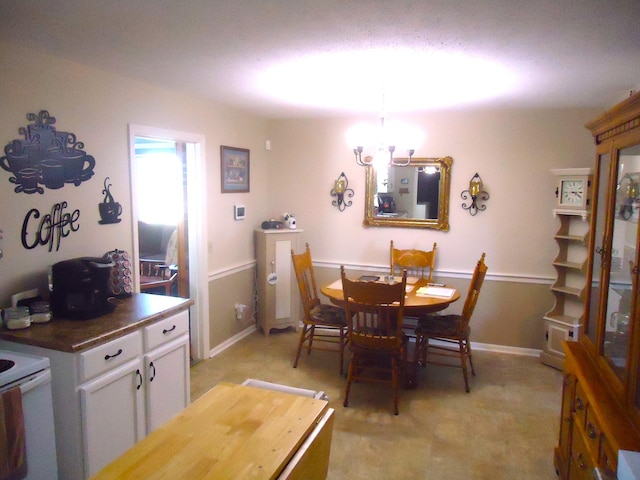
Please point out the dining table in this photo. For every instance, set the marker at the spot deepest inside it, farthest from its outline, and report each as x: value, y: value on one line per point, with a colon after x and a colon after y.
x: 422, y: 297
x: 436, y: 296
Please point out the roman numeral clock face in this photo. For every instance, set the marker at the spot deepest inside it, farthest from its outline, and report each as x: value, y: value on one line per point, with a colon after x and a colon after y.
x: 572, y: 192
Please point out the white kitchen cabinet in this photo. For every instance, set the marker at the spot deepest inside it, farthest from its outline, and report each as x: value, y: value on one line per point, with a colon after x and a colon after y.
x: 112, y: 409
x: 107, y: 398
x: 167, y: 374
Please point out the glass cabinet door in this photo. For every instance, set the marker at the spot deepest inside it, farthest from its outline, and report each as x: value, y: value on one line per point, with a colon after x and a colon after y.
x: 600, y: 253
x: 616, y: 338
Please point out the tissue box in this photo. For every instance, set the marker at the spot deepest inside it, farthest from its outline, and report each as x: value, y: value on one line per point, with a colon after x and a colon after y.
x: 628, y: 465
x: 284, y: 389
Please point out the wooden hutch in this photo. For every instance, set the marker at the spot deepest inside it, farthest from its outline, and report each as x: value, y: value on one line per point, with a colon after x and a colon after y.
x: 601, y: 392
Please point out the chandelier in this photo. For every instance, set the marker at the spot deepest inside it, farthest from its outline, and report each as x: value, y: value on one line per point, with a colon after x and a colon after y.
x: 375, y: 145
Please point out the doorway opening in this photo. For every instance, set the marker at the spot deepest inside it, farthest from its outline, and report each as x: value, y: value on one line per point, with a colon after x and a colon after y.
x: 168, y: 214
x: 163, y: 237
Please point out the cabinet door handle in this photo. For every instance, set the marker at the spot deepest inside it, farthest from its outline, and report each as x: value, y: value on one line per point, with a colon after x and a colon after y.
x: 153, y: 371
x: 591, y: 431
x: 581, y: 462
x: 579, y: 404
x: 107, y: 356
x: 139, y: 386
x: 165, y: 331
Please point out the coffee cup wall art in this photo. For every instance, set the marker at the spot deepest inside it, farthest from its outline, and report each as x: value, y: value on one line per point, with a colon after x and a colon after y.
x: 109, y: 209
x: 45, y: 157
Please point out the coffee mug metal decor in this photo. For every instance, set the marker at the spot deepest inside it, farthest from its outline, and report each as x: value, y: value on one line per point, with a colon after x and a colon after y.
x: 109, y: 209
x: 45, y: 157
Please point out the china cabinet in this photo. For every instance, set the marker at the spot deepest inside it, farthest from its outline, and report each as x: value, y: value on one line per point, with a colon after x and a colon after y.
x: 600, y: 411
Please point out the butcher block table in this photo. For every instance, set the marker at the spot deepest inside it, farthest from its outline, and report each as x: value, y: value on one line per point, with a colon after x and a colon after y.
x: 235, y: 432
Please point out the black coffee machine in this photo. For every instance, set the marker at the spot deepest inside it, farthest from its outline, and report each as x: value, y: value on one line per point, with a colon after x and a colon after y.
x: 80, y: 288
x: 386, y: 204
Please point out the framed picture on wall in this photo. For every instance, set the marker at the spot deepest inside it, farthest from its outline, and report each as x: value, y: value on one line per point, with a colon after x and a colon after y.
x: 234, y: 169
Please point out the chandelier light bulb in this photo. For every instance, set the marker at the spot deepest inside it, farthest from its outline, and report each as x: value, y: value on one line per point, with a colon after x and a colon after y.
x: 384, y: 140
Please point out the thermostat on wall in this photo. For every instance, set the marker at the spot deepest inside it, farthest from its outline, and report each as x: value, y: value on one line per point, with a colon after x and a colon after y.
x: 239, y: 212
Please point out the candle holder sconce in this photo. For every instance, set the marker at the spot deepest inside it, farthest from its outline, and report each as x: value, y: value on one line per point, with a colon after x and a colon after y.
x: 476, y: 194
x: 339, y: 190
x: 628, y: 197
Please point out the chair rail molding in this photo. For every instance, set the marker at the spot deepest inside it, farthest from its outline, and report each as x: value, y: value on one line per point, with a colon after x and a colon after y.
x: 495, y: 277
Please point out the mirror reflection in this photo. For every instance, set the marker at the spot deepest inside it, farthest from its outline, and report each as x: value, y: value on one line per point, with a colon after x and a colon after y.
x: 416, y: 195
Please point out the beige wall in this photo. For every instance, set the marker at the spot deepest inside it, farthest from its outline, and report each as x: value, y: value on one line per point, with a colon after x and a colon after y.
x: 513, y: 151
x: 98, y: 106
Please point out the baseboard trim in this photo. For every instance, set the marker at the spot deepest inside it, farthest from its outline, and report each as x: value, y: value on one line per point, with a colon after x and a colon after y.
x: 232, y: 341
x: 486, y: 347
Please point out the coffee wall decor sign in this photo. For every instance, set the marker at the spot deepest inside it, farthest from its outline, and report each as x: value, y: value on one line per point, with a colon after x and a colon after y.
x: 45, y: 157
x: 51, y: 228
x: 109, y: 209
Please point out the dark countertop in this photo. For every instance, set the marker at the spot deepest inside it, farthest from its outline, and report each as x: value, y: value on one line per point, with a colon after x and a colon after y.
x: 74, y: 336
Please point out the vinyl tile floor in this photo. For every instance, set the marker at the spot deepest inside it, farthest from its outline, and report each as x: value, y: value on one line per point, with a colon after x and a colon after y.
x: 505, y: 428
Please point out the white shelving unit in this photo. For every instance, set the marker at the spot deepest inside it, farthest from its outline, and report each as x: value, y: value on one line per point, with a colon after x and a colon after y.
x: 563, y: 321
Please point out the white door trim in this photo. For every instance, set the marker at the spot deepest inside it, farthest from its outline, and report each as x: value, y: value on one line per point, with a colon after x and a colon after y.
x: 197, y: 208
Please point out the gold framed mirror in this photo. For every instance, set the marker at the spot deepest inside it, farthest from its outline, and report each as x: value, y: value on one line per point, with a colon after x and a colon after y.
x: 411, y: 196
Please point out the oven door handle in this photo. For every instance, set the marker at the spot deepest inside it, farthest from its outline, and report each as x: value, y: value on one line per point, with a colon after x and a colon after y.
x: 37, y: 380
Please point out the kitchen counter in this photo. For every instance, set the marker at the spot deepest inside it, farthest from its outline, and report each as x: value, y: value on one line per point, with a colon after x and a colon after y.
x: 74, y: 336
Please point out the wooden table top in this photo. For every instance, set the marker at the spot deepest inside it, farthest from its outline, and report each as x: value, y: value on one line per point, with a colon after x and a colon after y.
x: 413, y: 304
x: 77, y: 335
x: 232, y: 431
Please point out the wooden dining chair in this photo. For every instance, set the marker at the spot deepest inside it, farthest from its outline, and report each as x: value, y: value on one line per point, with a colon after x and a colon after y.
x: 417, y: 263
x: 323, y: 324
x: 451, y: 329
x: 157, y: 277
x: 376, y: 340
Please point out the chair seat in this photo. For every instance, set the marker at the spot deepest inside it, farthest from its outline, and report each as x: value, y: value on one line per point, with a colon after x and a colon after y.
x: 364, y: 343
x: 440, y: 326
x: 329, y: 315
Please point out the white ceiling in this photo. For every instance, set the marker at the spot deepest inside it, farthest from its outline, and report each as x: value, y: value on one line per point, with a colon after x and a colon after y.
x: 306, y: 58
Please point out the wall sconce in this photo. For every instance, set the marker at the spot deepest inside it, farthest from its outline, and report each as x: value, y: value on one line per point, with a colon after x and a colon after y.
x: 340, y: 188
x: 476, y: 193
x: 628, y: 187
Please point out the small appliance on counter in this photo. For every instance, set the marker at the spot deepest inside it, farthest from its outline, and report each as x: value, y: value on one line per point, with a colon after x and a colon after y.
x: 80, y: 288
x: 386, y: 204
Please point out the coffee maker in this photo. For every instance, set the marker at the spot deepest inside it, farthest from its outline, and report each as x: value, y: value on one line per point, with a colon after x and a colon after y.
x: 80, y: 288
x: 386, y: 204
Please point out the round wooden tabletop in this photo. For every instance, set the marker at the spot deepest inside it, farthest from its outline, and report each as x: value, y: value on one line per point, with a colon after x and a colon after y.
x: 413, y: 304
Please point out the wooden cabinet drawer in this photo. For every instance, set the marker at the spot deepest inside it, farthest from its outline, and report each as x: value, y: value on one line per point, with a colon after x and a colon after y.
x: 109, y: 355
x: 165, y: 330
x: 582, y: 464
x: 593, y: 432
x: 580, y: 406
x: 608, y: 457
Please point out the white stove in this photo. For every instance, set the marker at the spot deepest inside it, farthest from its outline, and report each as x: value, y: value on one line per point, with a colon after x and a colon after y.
x: 32, y: 375
x: 23, y: 366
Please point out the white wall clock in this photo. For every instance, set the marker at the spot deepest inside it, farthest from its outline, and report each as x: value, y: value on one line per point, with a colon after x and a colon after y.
x: 574, y: 188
